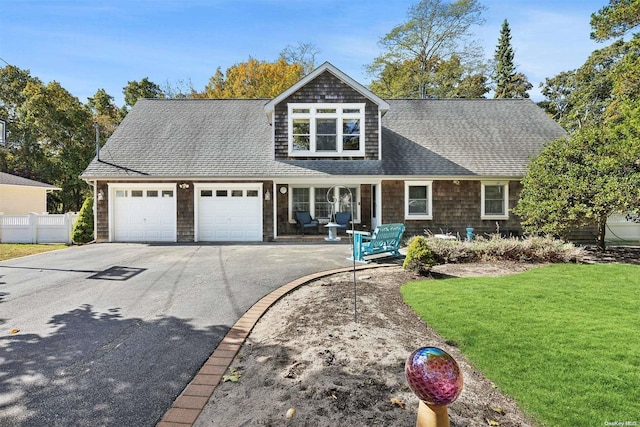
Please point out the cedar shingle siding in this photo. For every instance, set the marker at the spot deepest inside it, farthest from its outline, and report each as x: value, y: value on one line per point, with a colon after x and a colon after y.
x: 185, y: 214
x: 102, y: 213
x: 455, y: 207
x: 326, y: 88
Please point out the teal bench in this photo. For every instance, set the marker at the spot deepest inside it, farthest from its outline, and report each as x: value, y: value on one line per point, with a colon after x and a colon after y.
x: 385, y: 239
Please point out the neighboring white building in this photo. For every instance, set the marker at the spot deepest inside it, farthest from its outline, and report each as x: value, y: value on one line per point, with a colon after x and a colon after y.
x: 19, y: 196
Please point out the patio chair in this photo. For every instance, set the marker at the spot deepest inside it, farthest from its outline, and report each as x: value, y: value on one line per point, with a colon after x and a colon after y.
x: 343, y: 219
x: 305, y: 221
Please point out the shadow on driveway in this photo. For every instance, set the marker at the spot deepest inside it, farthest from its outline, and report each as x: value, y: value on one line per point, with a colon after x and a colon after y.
x: 75, y: 381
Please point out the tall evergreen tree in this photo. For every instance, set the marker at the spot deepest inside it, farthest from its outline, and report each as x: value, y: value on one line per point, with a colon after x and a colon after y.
x: 509, y: 83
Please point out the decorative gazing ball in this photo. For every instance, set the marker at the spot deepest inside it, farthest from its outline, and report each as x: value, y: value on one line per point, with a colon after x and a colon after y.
x: 433, y: 375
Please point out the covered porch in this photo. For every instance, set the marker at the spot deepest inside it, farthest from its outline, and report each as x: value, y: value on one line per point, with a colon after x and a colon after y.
x: 323, y: 200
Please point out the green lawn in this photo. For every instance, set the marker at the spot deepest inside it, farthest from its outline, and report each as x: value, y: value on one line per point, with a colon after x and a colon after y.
x: 10, y: 250
x: 563, y: 340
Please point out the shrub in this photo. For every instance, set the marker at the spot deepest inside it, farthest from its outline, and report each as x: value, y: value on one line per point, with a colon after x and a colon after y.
x: 83, y: 228
x: 496, y: 248
x: 419, y: 257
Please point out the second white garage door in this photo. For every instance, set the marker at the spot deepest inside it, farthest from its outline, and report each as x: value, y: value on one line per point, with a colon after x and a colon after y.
x: 229, y: 213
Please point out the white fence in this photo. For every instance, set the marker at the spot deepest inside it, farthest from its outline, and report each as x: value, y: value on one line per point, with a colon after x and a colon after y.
x: 35, y: 228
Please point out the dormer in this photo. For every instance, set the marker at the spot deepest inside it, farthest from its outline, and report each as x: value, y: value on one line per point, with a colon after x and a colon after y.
x: 326, y: 115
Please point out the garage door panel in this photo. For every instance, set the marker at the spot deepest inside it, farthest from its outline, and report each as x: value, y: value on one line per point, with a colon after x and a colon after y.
x: 229, y: 214
x: 144, y: 215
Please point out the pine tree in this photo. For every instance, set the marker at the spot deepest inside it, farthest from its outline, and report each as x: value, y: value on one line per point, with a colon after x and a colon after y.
x: 509, y: 83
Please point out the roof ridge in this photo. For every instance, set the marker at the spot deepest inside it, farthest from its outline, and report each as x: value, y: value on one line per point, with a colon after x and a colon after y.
x: 202, y: 99
x: 459, y: 99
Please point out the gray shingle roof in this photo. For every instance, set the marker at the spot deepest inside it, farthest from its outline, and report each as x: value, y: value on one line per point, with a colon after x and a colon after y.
x: 464, y: 136
x: 9, y: 179
x: 233, y: 139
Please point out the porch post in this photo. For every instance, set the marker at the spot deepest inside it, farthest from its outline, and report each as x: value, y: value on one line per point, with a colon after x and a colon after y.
x: 378, y: 205
x: 275, y: 209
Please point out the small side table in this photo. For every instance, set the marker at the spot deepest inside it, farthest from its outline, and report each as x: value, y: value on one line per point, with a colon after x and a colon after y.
x: 333, y: 232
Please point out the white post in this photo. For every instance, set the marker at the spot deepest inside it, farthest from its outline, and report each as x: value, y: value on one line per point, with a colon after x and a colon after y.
x: 33, y: 227
x: 68, y: 227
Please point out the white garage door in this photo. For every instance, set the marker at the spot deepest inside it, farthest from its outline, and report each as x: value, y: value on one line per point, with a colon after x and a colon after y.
x: 144, y: 214
x: 228, y: 213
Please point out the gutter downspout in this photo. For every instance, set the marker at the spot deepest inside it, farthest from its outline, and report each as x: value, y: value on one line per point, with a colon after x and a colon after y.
x: 95, y: 211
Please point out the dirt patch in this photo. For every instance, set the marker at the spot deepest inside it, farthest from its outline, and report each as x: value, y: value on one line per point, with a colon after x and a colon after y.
x: 309, y: 355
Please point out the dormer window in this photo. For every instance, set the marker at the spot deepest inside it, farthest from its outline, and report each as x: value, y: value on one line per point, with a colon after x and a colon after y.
x: 326, y: 129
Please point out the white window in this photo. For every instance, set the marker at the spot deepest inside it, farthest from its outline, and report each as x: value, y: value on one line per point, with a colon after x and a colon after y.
x: 494, y: 200
x: 326, y: 129
x: 314, y: 200
x: 417, y: 196
x: 322, y: 207
x: 300, y: 200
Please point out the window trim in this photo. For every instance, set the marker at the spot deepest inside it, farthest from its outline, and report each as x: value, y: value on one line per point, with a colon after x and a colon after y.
x: 429, y: 185
x: 312, y: 208
x: 313, y: 114
x: 505, y: 199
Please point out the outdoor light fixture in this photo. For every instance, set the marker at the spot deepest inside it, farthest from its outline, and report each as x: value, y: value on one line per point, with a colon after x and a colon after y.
x: 267, y: 195
x: 100, y: 195
x: 183, y: 186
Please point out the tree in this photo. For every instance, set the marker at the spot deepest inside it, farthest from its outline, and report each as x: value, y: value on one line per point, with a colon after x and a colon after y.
x: 83, y: 229
x: 435, y: 31
x: 586, y: 96
x: 595, y: 172
x: 13, y: 80
x: 143, y: 89
x: 509, y: 83
x: 180, y: 89
x: 253, y: 79
x: 593, y: 93
x: 581, y: 180
x: 615, y: 20
x: 303, y: 54
x: 557, y: 91
x: 105, y: 113
x: 452, y: 79
x: 56, y: 141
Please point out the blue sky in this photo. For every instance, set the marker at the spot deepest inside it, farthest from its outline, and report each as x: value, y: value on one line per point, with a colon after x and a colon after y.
x: 90, y: 44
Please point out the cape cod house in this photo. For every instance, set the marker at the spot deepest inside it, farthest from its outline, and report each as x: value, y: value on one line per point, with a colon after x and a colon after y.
x: 237, y: 170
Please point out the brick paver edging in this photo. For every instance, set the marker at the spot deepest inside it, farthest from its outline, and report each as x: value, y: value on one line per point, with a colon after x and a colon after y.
x: 187, y: 407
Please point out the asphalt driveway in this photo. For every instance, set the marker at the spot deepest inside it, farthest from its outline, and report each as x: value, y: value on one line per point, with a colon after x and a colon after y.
x: 110, y: 334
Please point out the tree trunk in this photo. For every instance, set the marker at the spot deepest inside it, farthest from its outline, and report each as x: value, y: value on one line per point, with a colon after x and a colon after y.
x: 602, y: 227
